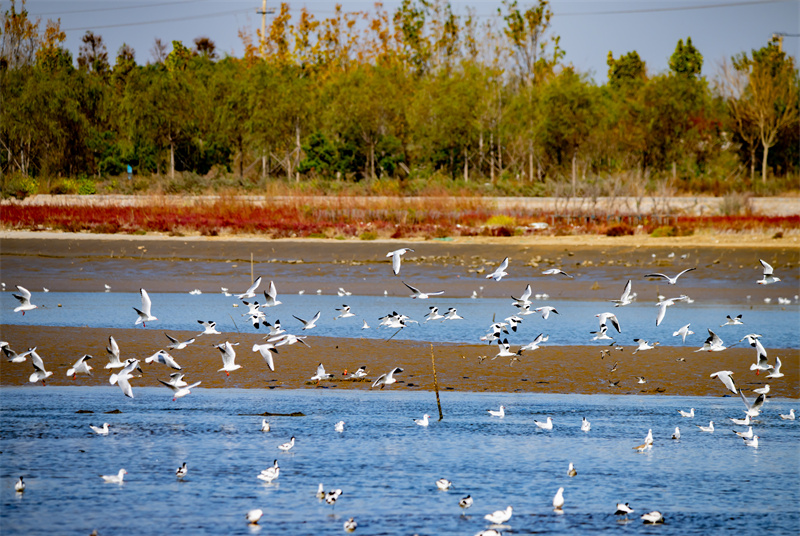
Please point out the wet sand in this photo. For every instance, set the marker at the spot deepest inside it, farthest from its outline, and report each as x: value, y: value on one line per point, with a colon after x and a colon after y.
x: 553, y: 369
x: 78, y: 262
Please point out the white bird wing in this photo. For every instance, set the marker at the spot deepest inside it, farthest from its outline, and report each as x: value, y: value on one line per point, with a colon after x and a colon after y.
x: 395, y: 262
x: 228, y: 354
x: 767, y: 268
x: 320, y: 370
x: 146, y: 303
x: 658, y: 275
x: 662, y: 312
x: 26, y: 294
x: 173, y: 339
x: 503, y: 265
x: 379, y: 381
x: 627, y: 292
x: 316, y: 317
x: 415, y: 290
x: 122, y: 381
x: 683, y: 272
x: 254, y: 286
x: 526, y: 295
x: 113, y: 348
x: 36, y: 360
x: 171, y: 386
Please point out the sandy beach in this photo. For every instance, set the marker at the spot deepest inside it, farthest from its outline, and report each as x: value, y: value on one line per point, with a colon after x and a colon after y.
x: 51, y: 259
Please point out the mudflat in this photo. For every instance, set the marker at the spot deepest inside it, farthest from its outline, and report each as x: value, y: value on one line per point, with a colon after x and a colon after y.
x: 68, y: 262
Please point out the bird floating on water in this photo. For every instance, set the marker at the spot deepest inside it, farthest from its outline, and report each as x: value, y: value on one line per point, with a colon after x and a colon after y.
x: 100, y: 430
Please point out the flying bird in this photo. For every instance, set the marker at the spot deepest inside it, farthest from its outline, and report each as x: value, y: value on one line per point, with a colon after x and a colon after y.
x: 683, y: 332
x: 725, y: 377
x: 396, y: 258
x: 228, y: 357
x: 80, y: 366
x: 180, y: 392
x: 309, y: 324
x: 556, y: 271
x: 766, y: 279
x: 209, y: 326
x: 250, y: 292
x: 271, y: 296
x: 671, y: 280
x: 500, y: 272
x: 387, y: 379
x: 24, y: 298
x: 418, y: 294
x: 626, y: 298
x: 144, y: 314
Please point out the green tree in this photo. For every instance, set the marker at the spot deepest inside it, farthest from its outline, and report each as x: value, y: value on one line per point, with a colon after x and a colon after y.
x: 686, y: 60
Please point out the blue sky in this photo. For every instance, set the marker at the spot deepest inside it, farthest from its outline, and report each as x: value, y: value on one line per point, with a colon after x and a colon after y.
x: 588, y: 29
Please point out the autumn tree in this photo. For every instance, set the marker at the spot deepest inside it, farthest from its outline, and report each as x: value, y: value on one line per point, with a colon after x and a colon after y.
x: 93, y: 55
x: 768, y: 104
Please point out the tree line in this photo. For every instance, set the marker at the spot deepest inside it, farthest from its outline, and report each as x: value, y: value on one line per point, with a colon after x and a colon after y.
x: 419, y: 92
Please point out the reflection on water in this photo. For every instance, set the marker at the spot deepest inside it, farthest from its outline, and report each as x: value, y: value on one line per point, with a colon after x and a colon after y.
x: 385, y: 464
x: 572, y: 326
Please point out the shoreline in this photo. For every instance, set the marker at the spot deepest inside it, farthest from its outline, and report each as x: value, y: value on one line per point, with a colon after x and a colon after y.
x: 458, y: 367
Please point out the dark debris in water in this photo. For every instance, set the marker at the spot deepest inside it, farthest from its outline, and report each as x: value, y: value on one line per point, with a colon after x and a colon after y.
x: 113, y: 412
x: 84, y: 411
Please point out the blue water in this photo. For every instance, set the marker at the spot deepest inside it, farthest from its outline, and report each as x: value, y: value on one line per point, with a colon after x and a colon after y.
x: 180, y: 311
x: 386, y: 465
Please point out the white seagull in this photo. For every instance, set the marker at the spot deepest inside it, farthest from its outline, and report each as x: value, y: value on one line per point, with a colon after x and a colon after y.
x: 228, y: 357
x: 789, y: 416
x: 763, y: 390
x: 601, y: 334
x: 443, y: 484
x: 610, y: 317
x: 80, y: 366
x: 545, y: 311
x: 500, y: 272
x: 751, y: 442
x: 761, y: 357
x: 558, y: 500
x: 24, y: 298
x: 339, y: 427
x: 626, y: 298
x: 14, y: 357
x: 423, y: 421
x: 776, y: 372
x: 754, y: 409
x: 499, y: 413
x: 418, y: 294
x: 671, y: 280
x: 176, y: 379
x: 766, y: 279
x: 585, y: 425
x: 115, y: 479
x: 709, y: 428
x: 556, y: 271
x: 677, y: 434
x: 712, y: 344
x: 180, y: 392
x: 264, y: 425
x: 465, y: 502
x: 124, y: 375
x: 320, y: 374
x: 534, y: 345
x: 144, y: 314
x: 350, y: 525
x: 163, y: 357
x: 547, y: 425
x: 345, y: 312
x: 209, y: 326
x: 253, y: 516
x: 274, y: 329
x: 683, y: 332
x: 725, y: 377
x: 499, y: 517
x: 396, y: 255
x: 662, y: 307
x: 287, y: 339
x: 39, y: 372
x: 178, y: 345
x: 100, y: 430
x: 688, y: 414
x: 271, y: 296
x: 644, y: 345
x: 653, y: 517
x: 741, y: 422
x: 745, y: 435
x: 250, y: 292
x: 387, y: 379
x: 309, y: 324
x: 266, y: 350
x: 113, y: 354
x: 19, y: 487
x: 360, y: 373
x: 524, y: 300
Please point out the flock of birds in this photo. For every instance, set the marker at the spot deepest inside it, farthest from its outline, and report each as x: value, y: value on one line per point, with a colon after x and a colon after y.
x: 497, y: 333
